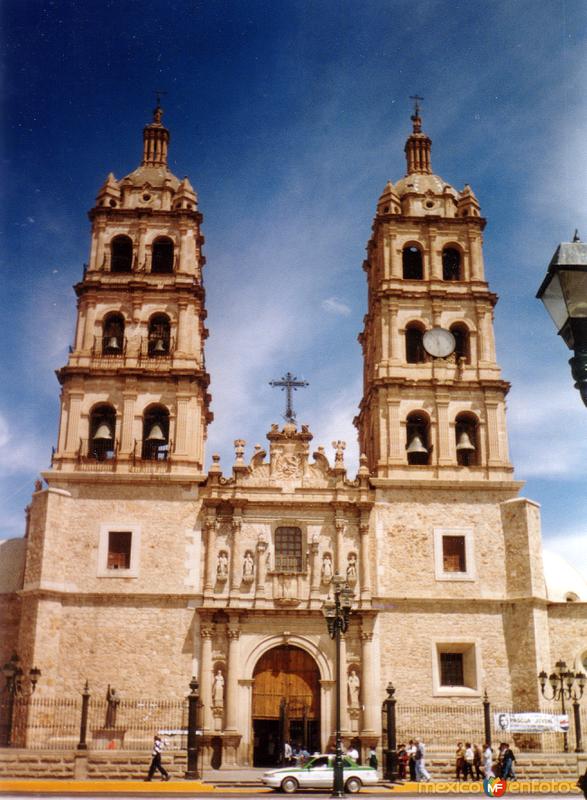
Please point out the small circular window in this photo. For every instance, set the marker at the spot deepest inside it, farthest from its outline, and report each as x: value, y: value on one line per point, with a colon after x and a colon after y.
x: 113, y: 203
x: 146, y: 197
x: 429, y: 203
x: 386, y: 209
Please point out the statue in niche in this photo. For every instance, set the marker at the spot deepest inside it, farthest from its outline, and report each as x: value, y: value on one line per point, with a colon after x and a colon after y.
x: 248, y: 567
x: 354, y: 684
x: 326, y: 572
x: 351, y: 570
x: 222, y: 566
x: 112, y: 702
x: 218, y: 690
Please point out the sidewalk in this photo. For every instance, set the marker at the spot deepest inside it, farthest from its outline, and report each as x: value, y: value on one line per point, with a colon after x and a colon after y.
x: 229, y: 782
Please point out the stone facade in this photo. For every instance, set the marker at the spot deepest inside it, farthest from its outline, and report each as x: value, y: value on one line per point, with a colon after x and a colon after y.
x: 142, y: 569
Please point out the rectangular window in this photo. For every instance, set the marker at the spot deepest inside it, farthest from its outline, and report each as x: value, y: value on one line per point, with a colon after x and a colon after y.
x: 452, y: 671
x: 453, y: 554
x: 288, y: 550
x: 119, y: 547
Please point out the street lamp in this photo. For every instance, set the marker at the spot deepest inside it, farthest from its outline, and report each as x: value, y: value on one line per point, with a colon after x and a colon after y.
x: 562, y: 686
x: 564, y: 294
x: 14, y: 675
x: 337, y: 613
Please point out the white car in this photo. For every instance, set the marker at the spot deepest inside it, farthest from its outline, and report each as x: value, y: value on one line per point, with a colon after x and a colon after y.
x: 318, y: 773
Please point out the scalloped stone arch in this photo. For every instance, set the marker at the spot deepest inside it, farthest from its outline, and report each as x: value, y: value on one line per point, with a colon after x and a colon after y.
x: 278, y: 640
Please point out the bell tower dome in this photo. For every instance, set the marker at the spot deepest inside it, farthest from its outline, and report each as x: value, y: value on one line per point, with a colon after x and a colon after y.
x: 134, y: 394
x: 433, y: 401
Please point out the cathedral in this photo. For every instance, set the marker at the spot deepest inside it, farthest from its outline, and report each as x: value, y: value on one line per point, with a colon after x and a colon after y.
x: 142, y: 566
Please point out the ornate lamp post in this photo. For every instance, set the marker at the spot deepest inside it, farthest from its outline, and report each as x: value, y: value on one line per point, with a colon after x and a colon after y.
x: 564, y: 294
x: 337, y: 613
x: 562, y: 685
x: 192, y: 773
x: 14, y: 675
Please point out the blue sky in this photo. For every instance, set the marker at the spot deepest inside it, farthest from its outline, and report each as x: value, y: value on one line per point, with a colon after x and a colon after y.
x: 289, y: 117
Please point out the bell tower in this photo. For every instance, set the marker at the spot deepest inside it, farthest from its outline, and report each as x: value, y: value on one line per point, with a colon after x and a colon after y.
x: 134, y: 391
x: 433, y: 401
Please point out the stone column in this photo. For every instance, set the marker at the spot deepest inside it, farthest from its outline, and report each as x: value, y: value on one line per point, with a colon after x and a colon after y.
x: 182, y: 324
x: 233, y: 634
x: 141, y: 253
x: 344, y: 692
x: 206, y: 632
x: 126, y: 443
x: 396, y: 341
x: 395, y: 258
x: 210, y: 571
x: 261, y: 567
x: 89, y: 325
x: 184, y: 240
x: 180, y: 443
x: 235, y: 556
x: 493, y: 440
x: 99, y: 257
x: 364, y: 560
x: 315, y: 567
x: 368, y: 684
x: 73, y: 420
x: 340, y: 525
x: 444, y: 448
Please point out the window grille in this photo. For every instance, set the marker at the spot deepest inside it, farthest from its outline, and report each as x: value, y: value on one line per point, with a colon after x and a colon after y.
x: 288, y: 550
x: 453, y: 554
x: 451, y: 669
x: 119, y: 544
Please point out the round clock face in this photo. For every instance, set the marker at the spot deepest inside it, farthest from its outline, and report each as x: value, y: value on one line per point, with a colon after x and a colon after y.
x: 439, y: 342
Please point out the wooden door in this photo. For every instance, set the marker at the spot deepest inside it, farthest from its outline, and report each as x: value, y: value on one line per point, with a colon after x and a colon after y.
x: 286, y: 674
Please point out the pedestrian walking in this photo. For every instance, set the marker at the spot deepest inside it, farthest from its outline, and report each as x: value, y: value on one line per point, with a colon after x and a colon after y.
x: 477, y: 759
x: 158, y: 745
x: 287, y: 753
x: 508, y: 772
x: 488, y: 761
x: 402, y: 761
x: 468, y: 759
x: 422, y: 773
x: 459, y: 761
x: 373, y: 758
x: 411, y: 751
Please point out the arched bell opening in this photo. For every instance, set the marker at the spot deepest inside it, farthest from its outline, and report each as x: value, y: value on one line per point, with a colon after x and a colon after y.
x: 155, y: 434
x: 121, y: 248
x: 462, y: 341
x: 159, y: 336
x: 286, y: 703
x: 113, y: 335
x: 415, y: 353
x: 451, y: 264
x: 467, y: 439
x: 162, y: 255
x: 101, y: 444
x: 418, y: 438
x: 412, y: 263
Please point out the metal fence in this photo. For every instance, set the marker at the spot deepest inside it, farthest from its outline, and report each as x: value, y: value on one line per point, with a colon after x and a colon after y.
x: 54, y: 723
x: 441, y: 726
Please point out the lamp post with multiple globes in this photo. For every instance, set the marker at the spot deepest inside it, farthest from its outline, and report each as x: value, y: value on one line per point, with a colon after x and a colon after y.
x: 337, y: 613
x: 15, y: 687
x: 562, y: 685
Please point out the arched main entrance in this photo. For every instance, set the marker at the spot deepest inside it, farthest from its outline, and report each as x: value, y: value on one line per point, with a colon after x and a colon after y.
x: 286, y: 703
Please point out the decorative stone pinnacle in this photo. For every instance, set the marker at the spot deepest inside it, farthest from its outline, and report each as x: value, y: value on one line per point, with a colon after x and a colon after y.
x: 339, y: 447
x: 239, y: 449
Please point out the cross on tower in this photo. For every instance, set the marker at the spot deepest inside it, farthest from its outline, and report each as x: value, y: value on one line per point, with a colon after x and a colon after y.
x: 290, y: 383
x: 417, y: 100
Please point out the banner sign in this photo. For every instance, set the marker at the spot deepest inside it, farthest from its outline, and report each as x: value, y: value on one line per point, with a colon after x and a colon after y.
x: 531, y: 722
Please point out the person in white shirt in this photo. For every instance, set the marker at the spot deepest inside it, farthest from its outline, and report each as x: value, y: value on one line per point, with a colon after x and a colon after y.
x: 158, y: 745
x: 422, y: 773
x: 353, y: 753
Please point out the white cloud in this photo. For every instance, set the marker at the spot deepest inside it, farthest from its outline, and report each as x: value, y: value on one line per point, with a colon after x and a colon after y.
x: 572, y: 545
x: 335, y: 305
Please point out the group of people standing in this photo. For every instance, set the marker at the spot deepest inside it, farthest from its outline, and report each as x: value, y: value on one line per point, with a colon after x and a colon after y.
x: 473, y: 762
x: 412, y: 761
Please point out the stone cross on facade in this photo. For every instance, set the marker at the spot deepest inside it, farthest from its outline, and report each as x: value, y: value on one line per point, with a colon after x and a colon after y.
x: 290, y: 383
